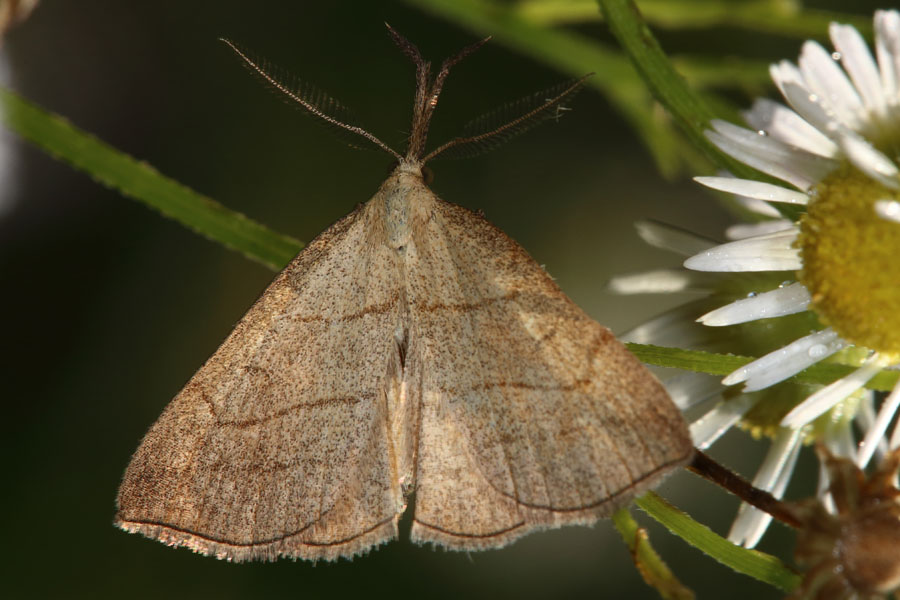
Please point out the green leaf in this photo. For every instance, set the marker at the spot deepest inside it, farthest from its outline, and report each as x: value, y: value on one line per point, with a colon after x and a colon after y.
x: 761, y: 566
x: 140, y: 181
x: 723, y: 364
x: 653, y: 569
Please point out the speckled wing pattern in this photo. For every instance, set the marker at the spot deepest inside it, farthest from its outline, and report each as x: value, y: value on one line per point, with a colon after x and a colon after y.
x: 451, y: 365
x: 533, y: 415
x: 277, y: 446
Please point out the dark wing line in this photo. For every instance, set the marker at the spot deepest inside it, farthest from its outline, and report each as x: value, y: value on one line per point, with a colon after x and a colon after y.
x: 372, y: 309
x: 317, y: 403
x: 518, y: 525
x: 573, y: 509
x: 122, y: 523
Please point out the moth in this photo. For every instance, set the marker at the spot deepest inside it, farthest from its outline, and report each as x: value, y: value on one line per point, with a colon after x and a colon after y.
x: 411, y: 351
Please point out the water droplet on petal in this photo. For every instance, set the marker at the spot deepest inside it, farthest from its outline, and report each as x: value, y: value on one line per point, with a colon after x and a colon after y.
x: 888, y: 209
x: 836, y: 55
x: 817, y: 351
x: 751, y: 294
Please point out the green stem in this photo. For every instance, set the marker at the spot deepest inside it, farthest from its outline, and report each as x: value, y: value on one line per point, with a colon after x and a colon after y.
x: 651, y: 566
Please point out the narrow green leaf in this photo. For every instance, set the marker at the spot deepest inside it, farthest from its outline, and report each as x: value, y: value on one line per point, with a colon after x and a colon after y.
x: 653, y: 569
x: 666, y: 84
x: 140, y: 181
x: 723, y: 364
x: 761, y: 566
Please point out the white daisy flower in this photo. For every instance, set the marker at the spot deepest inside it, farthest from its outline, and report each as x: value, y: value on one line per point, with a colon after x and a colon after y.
x: 835, y: 270
x: 837, y: 150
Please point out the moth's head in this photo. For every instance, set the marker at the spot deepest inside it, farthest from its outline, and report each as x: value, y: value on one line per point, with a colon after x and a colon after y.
x: 411, y: 169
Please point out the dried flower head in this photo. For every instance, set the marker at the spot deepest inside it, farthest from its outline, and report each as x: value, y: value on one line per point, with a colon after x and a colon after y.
x: 855, y: 552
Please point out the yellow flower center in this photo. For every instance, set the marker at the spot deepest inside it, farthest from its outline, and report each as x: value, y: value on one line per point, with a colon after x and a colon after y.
x: 851, y: 260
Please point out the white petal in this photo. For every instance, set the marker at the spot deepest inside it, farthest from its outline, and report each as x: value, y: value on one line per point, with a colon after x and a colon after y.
x: 785, y: 72
x: 876, y: 434
x: 671, y: 238
x: 773, y: 476
x: 887, y: 47
x: 786, y: 300
x: 788, y: 163
x: 660, y: 281
x: 711, y: 426
x: 787, y: 361
x: 824, y: 399
x: 858, y: 62
x: 772, y: 252
x: 888, y: 209
x: 895, y: 437
x: 871, y: 161
x: 744, y: 231
x: 754, y: 189
x: 777, y: 458
x: 822, y: 489
x: 865, y: 421
x: 749, y: 526
x: 785, y: 125
x: 814, y: 110
x: 826, y: 79
x: 759, y: 207
x: 840, y: 442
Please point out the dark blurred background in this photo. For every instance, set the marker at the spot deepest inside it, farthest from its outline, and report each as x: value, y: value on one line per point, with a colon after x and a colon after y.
x: 110, y: 307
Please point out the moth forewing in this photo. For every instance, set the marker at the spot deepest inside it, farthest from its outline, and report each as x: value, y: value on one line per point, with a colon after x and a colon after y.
x: 411, y: 346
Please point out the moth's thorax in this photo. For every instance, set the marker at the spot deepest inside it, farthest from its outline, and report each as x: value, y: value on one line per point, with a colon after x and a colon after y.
x: 399, y: 194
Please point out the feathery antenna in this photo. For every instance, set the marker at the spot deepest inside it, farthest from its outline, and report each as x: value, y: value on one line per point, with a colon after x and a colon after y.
x: 492, y: 129
x: 313, y: 101
x: 480, y: 135
x: 427, y: 92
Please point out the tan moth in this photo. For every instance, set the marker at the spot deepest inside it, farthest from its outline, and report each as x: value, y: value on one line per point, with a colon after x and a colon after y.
x: 411, y: 348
